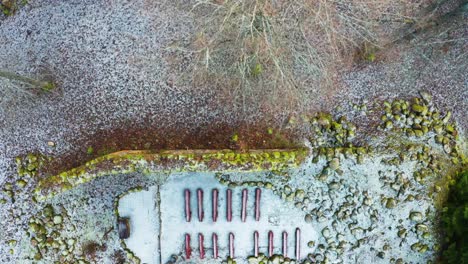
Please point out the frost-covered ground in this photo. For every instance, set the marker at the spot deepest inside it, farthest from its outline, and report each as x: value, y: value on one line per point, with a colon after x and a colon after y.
x: 348, y: 210
x: 115, y: 85
x: 110, y: 60
x: 349, y: 207
x: 343, y: 218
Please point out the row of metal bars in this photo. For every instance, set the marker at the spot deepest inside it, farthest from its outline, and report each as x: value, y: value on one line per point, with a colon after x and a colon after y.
x: 214, y: 241
x: 214, y: 203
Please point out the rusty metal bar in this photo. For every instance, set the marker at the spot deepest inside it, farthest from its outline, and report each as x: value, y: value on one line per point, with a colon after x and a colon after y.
x: 215, y: 245
x: 298, y: 244
x: 245, y: 194
x: 188, y: 213
x: 258, y: 194
x: 256, y: 244
x: 285, y: 244
x: 201, y: 214
x: 201, y: 247
x: 229, y: 205
x: 270, y: 243
x: 231, y: 245
x: 214, y: 204
x: 188, y: 249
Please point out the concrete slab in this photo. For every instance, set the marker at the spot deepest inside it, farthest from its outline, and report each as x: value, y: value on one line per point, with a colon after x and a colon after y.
x: 276, y: 216
x: 142, y: 210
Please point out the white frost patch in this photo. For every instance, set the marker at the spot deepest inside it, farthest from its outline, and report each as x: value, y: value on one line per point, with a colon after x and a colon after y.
x: 276, y: 215
x: 141, y: 208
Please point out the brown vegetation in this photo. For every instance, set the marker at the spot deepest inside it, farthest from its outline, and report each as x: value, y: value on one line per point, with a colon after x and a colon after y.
x: 273, y: 52
x: 91, y: 248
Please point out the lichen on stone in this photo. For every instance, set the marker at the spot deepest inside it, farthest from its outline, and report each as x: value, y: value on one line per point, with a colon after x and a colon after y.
x: 148, y: 162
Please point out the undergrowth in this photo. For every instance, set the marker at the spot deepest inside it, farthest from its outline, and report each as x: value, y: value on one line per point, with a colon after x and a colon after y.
x: 10, y: 7
x: 455, y: 222
x: 277, y: 50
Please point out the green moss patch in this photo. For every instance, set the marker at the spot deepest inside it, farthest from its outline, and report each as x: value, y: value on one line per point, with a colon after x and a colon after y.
x: 147, y: 162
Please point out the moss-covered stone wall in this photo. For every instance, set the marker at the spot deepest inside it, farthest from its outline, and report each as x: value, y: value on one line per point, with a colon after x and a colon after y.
x: 148, y: 162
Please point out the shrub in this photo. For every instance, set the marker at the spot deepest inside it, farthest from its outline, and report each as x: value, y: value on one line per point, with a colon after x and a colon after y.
x: 455, y: 222
x: 270, y: 50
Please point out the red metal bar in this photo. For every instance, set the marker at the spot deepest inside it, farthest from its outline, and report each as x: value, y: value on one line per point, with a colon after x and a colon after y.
x: 201, y: 214
x: 285, y: 244
x: 258, y: 194
x: 270, y: 243
x: 231, y: 245
x: 215, y: 245
x: 188, y: 249
x: 201, y: 247
x: 188, y: 213
x: 298, y: 244
x: 229, y: 205
x: 214, y: 201
x: 256, y: 244
x: 245, y: 194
